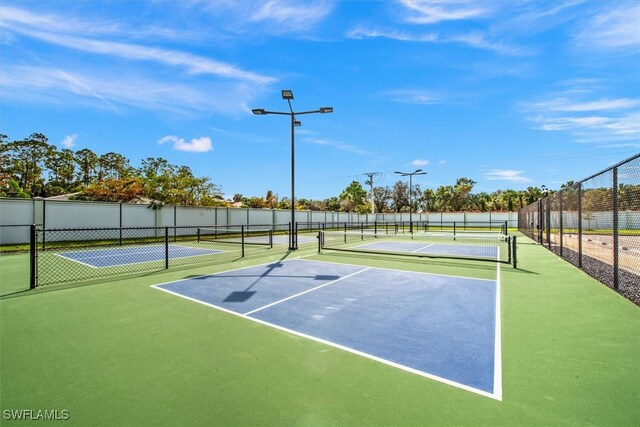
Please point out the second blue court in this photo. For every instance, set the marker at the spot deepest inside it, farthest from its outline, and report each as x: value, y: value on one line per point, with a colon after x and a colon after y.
x: 441, y: 327
x: 124, y: 255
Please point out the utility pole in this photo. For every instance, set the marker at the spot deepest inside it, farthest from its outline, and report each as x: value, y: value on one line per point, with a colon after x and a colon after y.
x: 369, y: 182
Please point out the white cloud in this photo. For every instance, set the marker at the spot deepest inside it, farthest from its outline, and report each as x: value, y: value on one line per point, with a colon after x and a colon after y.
x: 193, y: 64
x: 100, y: 89
x: 361, y: 32
x: 412, y: 96
x: 69, y: 140
x: 506, y: 175
x: 340, y: 146
x: 477, y: 39
x: 431, y: 12
x: 605, y: 120
x: 419, y: 162
x: 196, y: 145
x: 617, y: 28
x: 564, y: 104
x: 290, y: 15
x: 442, y: 162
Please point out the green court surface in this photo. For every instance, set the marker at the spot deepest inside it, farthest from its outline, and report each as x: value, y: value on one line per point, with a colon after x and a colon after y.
x: 123, y: 353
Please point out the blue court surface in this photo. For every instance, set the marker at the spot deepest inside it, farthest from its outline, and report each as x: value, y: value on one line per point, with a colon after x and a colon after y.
x: 124, y: 255
x: 440, y: 327
x: 433, y: 248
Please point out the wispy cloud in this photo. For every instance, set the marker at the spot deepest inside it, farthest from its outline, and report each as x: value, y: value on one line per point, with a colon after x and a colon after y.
x: 196, y: 145
x: 434, y: 11
x: 411, y: 96
x: 291, y: 15
x: 479, y: 40
x: 341, y: 146
x: 614, y: 29
x: 419, y: 162
x: 69, y: 141
x: 506, y: 175
x: 476, y: 39
x: 362, y: 32
x: 603, y: 120
x: 192, y: 63
x: 87, y: 26
x: 100, y: 89
x: 442, y: 162
x: 605, y: 104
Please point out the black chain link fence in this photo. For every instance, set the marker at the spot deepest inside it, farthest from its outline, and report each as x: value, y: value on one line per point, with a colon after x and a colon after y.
x: 595, y: 225
x: 74, y: 255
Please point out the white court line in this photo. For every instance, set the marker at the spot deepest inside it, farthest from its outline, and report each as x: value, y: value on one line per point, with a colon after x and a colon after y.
x: 424, y: 247
x: 305, y: 292
x: 497, y: 354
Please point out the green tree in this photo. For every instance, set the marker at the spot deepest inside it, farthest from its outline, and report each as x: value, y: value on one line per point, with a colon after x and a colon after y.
x: 87, y: 162
x: 332, y: 204
x: 113, y: 165
x: 400, y: 197
x: 381, y: 197
x: 26, y: 162
x: 354, y: 198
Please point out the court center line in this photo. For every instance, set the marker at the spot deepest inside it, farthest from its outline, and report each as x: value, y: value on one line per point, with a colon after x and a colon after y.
x: 304, y: 292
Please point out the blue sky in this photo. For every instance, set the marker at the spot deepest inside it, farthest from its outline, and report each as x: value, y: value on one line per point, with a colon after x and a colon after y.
x: 509, y: 93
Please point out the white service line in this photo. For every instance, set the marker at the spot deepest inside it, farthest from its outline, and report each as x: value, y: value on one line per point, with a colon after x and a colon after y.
x: 304, y: 292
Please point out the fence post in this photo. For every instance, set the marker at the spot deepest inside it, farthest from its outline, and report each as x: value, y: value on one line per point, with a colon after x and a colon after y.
x: 616, y: 261
x: 166, y: 248
x: 33, y: 257
x: 548, y: 221
x: 561, y: 222
x: 514, y: 252
x: 580, y: 225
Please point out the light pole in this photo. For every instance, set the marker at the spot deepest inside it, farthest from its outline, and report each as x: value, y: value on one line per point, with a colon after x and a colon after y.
x: 288, y: 96
x: 410, y: 175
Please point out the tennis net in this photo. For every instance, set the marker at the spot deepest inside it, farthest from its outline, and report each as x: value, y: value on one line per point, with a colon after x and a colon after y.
x: 261, y: 236
x: 479, y: 246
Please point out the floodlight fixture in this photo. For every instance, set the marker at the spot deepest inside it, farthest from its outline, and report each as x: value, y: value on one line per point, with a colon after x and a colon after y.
x: 259, y: 111
x: 325, y: 110
x: 287, y: 94
x: 297, y: 123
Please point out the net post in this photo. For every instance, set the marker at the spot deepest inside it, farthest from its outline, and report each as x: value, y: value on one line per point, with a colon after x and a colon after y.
x: 514, y: 252
x: 270, y: 238
x: 454, y: 230
x: 166, y: 248
x: 198, y: 234
x: 33, y: 257
x: 242, y: 239
x: 361, y: 231
x: 319, y: 241
x: 375, y: 228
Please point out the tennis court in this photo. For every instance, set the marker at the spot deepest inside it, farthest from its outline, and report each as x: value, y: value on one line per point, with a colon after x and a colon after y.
x: 125, y: 255
x: 437, y: 326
